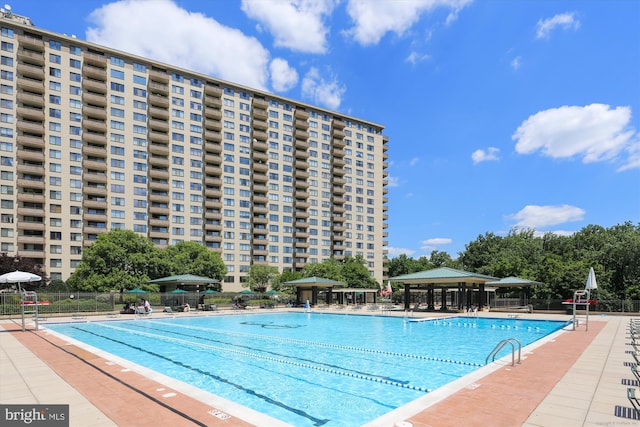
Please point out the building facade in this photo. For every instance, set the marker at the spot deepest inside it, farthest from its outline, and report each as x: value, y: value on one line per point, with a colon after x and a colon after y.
x: 93, y: 139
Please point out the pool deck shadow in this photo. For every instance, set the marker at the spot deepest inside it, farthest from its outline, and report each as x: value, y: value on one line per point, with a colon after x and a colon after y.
x: 577, y: 378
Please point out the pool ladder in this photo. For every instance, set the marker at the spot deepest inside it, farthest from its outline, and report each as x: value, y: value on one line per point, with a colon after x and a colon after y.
x: 502, y: 344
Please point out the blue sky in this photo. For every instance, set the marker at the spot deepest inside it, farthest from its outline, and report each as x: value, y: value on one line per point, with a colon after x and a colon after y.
x: 500, y: 114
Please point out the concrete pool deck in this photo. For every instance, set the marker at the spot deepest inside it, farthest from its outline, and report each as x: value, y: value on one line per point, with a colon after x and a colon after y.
x: 576, y: 378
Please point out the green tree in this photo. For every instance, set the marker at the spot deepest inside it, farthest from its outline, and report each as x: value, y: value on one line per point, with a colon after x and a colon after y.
x: 356, y: 274
x: 286, y: 276
x: 328, y: 269
x: 119, y: 260
x: 195, y: 258
x: 259, y: 277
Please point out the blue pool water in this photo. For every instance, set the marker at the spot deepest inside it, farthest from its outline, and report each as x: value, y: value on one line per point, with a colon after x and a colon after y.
x: 310, y: 369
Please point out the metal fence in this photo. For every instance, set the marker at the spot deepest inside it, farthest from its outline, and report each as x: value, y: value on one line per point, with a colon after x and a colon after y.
x: 61, y: 303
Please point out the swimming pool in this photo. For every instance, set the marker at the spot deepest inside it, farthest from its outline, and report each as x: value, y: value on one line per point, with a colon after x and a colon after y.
x: 310, y: 369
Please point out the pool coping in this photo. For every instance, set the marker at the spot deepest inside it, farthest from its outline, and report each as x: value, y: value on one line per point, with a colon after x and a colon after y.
x: 408, y: 413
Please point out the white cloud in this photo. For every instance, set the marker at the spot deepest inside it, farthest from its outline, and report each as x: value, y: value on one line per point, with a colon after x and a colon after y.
x: 295, y: 24
x: 480, y: 155
x: 596, y: 132
x: 414, y: 161
x: 373, y: 19
x: 434, y: 243
x: 536, y: 217
x: 283, y: 77
x: 394, y: 252
x: 321, y: 91
x: 161, y: 30
x: 516, y: 62
x: 393, y: 181
x: 415, y: 57
x: 566, y: 21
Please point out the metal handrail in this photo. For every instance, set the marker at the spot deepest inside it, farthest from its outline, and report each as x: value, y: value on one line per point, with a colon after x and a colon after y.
x: 501, y: 345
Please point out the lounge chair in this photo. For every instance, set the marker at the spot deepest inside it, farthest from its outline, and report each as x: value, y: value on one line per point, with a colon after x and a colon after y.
x: 140, y: 311
x: 168, y: 310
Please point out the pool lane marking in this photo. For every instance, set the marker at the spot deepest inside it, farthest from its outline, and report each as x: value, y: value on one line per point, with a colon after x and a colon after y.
x: 337, y: 346
x: 316, y: 421
x: 280, y: 354
x: 272, y: 359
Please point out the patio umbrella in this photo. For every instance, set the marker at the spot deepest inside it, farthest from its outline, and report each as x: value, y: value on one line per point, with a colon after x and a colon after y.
x: 19, y: 277
x: 136, y: 291
x: 210, y: 291
x: 272, y: 292
x: 591, y: 280
x: 180, y: 292
x: 246, y: 291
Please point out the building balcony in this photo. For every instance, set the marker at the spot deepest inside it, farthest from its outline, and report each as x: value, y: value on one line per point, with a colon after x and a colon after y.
x: 31, y: 183
x: 213, y: 112
x: 94, y: 98
x: 94, y: 138
x: 301, y: 174
x: 32, y: 155
x: 158, y: 88
x: 260, y: 167
x: 31, y: 127
x: 95, y: 164
x: 159, y: 198
x: 260, y: 103
x: 161, y: 137
x: 93, y: 72
x: 213, y: 136
x: 157, y: 75
x: 259, y: 135
x: 157, y: 100
x: 213, y: 148
x: 302, y: 125
x: 260, y: 156
x: 159, y: 149
x: 158, y: 113
x: 30, y: 85
x: 31, y: 99
x: 39, y: 212
x: 159, y: 125
x: 30, y: 56
x: 214, y: 91
x: 301, y: 144
x: 94, y: 204
x: 31, y: 42
x: 260, y: 124
x: 94, y: 125
x: 30, y: 141
x: 338, y: 133
x: 95, y: 191
x: 94, y: 86
x: 301, y: 134
x: 31, y: 240
x: 37, y: 169
x: 30, y: 197
x: 301, y: 114
x: 162, y: 174
x: 94, y: 112
x: 30, y: 70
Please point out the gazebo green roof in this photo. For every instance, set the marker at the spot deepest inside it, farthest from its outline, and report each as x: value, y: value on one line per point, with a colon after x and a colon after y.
x: 184, y: 279
x: 312, y: 281
x: 442, y: 275
x: 512, y: 281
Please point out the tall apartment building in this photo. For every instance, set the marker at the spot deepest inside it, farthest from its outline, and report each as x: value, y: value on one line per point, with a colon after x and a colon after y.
x: 93, y: 139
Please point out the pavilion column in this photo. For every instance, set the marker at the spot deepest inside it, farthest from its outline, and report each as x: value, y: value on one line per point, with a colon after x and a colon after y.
x: 443, y: 291
x: 329, y: 292
x: 314, y: 295
x: 431, y: 297
x: 481, y: 300
x: 407, y: 296
x: 462, y: 295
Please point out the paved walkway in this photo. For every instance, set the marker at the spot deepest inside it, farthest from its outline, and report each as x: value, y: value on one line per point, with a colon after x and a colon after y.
x: 578, y: 378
